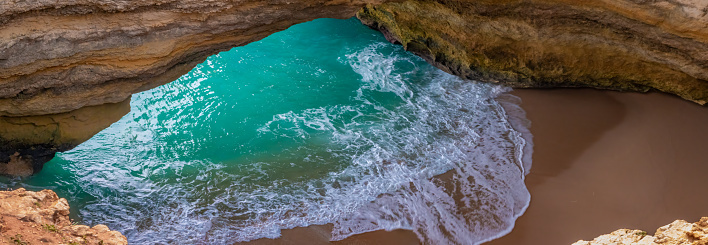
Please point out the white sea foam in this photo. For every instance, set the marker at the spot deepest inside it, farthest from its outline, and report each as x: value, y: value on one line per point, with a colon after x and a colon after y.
x: 406, y: 124
x: 447, y: 125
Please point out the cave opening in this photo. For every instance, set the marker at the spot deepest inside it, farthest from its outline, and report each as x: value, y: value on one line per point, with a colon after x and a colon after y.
x: 326, y: 122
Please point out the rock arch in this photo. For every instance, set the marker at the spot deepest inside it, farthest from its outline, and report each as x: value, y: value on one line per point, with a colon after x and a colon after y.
x: 68, y: 68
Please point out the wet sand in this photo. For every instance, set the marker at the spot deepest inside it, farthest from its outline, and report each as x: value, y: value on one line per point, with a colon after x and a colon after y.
x: 608, y: 160
x: 602, y: 161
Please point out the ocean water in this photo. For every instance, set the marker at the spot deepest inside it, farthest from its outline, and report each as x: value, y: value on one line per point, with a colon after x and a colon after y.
x: 325, y: 122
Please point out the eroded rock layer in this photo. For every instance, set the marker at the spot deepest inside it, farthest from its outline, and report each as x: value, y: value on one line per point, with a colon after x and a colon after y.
x: 28, y: 217
x: 625, y: 45
x: 26, y: 143
x: 57, y: 57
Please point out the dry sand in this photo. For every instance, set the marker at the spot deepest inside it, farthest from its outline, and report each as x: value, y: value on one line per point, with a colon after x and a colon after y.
x: 602, y: 161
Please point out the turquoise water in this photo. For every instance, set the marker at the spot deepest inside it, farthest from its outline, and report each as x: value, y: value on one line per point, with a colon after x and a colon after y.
x: 325, y: 122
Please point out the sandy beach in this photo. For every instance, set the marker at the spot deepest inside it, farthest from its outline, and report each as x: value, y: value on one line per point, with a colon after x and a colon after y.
x: 607, y: 160
x: 602, y: 161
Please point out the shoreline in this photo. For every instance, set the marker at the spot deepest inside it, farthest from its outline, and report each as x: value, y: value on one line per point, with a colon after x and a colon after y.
x: 603, y: 160
x: 321, y: 234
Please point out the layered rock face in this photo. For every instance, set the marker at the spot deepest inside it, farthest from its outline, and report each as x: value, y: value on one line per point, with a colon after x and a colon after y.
x: 26, y: 143
x: 626, y: 45
x: 68, y: 68
x: 678, y: 232
x: 28, y: 217
x: 58, y: 58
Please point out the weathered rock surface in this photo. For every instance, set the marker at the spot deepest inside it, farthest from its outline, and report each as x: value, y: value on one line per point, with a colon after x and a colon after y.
x: 26, y: 143
x: 57, y: 57
x: 678, y: 232
x: 626, y: 45
x: 43, y: 218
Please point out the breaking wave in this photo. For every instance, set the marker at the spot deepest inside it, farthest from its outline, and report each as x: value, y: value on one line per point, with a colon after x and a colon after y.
x: 401, y: 145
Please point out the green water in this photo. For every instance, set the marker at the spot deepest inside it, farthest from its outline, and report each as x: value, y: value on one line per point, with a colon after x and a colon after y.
x: 325, y: 122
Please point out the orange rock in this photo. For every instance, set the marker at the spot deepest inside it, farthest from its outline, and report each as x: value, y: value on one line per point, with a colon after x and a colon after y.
x: 678, y: 232
x: 42, y: 217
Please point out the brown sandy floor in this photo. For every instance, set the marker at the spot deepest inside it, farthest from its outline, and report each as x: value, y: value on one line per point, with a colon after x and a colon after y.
x: 609, y: 160
x: 602, y: 161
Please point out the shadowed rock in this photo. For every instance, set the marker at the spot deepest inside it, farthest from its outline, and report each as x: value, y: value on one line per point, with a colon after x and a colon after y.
x: 57, y: 57
x: 621, y: 45
x: 26, y: 143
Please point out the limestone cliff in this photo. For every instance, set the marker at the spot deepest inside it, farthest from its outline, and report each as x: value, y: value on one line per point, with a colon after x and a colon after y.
x: 68, y: 68
x: 678, y: 232
x: 627, y: 45
x: 28, y: 217
x: 58, y: 57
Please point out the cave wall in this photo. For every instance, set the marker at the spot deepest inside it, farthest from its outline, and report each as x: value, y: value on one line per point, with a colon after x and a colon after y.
x: 58, y: 58
x: 626, y: 45
x: 68, y: 68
